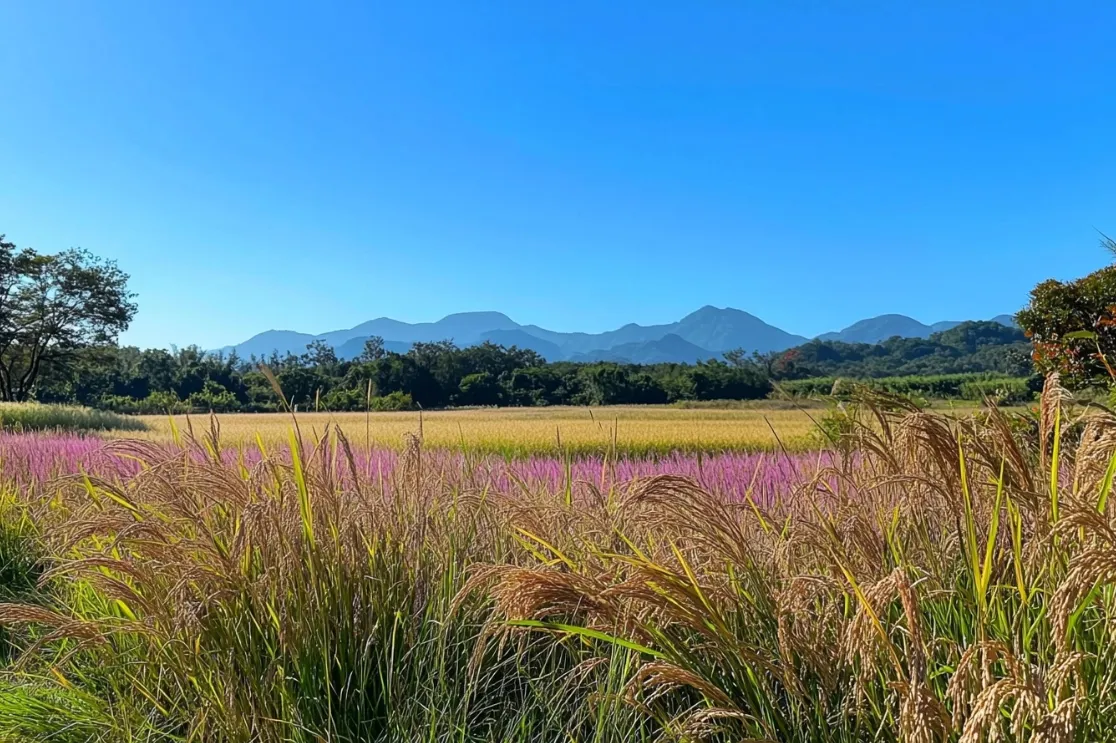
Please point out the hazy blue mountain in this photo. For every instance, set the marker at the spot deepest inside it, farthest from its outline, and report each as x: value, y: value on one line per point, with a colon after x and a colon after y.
x: 725, y: 329
x: 710, y: 328
x: 269, y: 341
x: 1008, y: 320
x: 354, y: 347
x: 706, y: 333
x: 384, y: 327
x: 876, y: 329
x: 464, y: 328
x: 575, y: 343
x: 670, y: 348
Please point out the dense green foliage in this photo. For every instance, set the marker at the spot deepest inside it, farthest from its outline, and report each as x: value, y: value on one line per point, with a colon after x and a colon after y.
x: 436, y: 375
x: 970, y: 347
x: 430, y: 375
x: 974, y: 387
x: 53, y: 306
x: 1073, y: 326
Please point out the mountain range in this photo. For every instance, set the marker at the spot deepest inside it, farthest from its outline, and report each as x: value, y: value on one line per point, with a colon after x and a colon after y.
x: 704, y: 334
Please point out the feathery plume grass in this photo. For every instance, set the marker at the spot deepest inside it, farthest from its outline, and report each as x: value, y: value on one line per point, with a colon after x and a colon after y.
x: 931, y: 578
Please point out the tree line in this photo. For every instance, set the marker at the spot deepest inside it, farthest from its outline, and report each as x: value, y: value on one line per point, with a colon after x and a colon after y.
x: 429, y: 375
x: 437, y: 375
x: 61, y: 316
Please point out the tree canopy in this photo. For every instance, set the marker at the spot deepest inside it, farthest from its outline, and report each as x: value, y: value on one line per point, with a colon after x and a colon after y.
x: 53, y: 306
x: 1072, y: 326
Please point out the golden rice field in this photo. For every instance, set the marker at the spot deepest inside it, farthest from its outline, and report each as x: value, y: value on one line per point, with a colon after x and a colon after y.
x: 636, y: 430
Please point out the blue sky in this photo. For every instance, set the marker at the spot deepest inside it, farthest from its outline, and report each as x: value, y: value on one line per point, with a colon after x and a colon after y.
x: 577, y: 164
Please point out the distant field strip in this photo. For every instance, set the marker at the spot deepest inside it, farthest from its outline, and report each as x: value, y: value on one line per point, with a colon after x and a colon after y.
x: 632, y: 431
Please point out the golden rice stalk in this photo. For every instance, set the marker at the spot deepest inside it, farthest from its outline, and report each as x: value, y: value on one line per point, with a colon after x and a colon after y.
x: 1009, y: 449
x: 16, y: 614
x: 1054, y: 395
x: 658, y: 678
x: 865, y: 639
x: 1094, y: 452
x: 922, y: 716
x: 974, y: 674
x: 1086, y: 570
x: 525, y: 593
x: 806, y: 622
x: 716, y: 721
x: 1082, y: 519
x: 62, y: 627
x: 1023, y: 696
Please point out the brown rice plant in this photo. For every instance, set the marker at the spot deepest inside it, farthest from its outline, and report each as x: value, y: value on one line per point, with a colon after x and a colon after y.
x: 951, y: 581
x: 292, y: 601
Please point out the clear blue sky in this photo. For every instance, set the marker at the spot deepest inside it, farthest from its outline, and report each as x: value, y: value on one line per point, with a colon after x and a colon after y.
x: 574, y: 164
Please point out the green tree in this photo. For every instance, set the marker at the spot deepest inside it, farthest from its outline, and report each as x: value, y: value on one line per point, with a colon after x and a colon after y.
x: 302, y: 385
x: 1072, y: 326
x: 213, y: 398
x: 52, y: 307
x: 481, y: 388
x: 321, y: 355
x: 716, y: 380
x: 973, y: 336
x: 373, y: 350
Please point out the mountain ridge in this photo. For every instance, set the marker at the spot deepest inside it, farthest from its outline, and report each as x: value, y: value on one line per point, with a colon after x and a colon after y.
x: 881, y: 327
x: 705, y: 333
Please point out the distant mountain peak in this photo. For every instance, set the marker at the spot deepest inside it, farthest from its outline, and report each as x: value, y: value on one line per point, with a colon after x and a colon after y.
x: 704, y: 333
x: 479, y: 315
x: 711, y: 311
x: 880, y: 328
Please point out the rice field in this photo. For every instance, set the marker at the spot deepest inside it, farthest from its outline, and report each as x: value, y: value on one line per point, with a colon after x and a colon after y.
x: 520, y: 432
x: 933, y: 578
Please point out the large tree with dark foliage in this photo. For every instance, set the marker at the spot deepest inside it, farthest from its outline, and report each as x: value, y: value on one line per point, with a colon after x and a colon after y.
x: 53, y: 306
x: 1072, y: 326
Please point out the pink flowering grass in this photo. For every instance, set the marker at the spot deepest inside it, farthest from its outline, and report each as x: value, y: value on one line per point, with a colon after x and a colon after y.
x: 313, y: 593
x: 33, y: 459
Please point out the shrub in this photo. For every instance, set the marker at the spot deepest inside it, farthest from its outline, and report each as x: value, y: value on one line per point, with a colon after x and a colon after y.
x: 940, y: 387
x: 353, y: 400
x: 835, y: 426
x: 1004, y: 391
x: 481, y: 388
x: 342, y: 399
x: 394, y: 401
x: 157, y: 403
x: 213, y: 397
